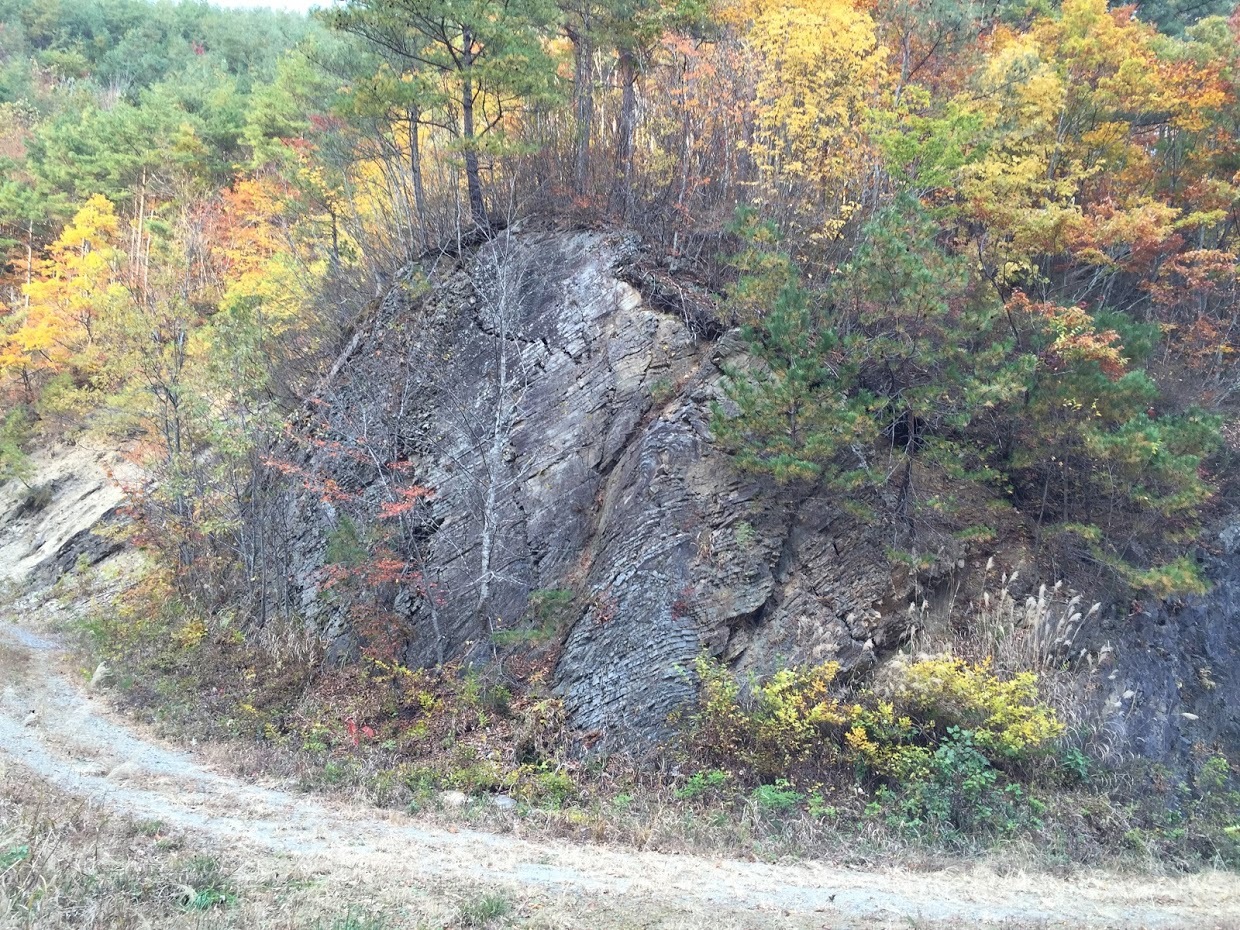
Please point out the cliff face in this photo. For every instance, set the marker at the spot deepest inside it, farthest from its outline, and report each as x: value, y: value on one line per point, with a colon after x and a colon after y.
x: 562, y: 424
x: 61, y: 517
x: 1175, y: 689
x: 560, y: 419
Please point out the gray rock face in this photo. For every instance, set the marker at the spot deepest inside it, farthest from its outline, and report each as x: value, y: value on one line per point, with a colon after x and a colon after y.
x: 1229, y: 538
x: 562, y: 425
x: 1175, y: 691
x: 60, y: 519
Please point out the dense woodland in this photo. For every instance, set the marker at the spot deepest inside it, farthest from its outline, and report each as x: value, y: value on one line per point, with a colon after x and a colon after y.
x: 982, y: 252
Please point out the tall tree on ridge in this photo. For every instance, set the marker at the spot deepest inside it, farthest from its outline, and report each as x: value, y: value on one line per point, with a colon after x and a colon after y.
x: 487, y: 55
x: 633, y: 28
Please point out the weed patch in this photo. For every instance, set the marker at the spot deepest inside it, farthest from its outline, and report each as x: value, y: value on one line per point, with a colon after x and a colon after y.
x: 943, y: 753
x: 485, y: 911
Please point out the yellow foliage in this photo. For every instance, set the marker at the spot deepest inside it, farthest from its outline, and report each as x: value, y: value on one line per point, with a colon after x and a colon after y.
x: 1006, y: 717
x: 262, y: 272
x: 818, y: 64
x: 797, y: 718
x: 73, y: 288
x: 191, y: 634
x: 784, y: 721
x: 1077, y: 108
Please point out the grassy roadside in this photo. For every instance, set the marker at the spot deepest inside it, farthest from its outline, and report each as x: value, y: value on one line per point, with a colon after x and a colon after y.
x: 489, y: 748
x: 69, y: 864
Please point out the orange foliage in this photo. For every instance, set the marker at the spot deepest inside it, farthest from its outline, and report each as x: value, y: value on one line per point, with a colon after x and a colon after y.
x: 1076, y: 336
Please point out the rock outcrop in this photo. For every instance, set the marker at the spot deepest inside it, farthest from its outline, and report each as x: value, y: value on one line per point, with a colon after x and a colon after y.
x: 1174, y: 691
x: 560, y: 418
x: 562, y: 424
x: 58, y: 516
x: 525, y: 427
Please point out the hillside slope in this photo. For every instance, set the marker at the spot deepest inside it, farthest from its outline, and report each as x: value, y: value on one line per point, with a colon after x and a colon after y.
x: 527, y: 439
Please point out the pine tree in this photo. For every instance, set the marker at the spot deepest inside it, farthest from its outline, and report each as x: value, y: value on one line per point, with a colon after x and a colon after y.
x: 489, y: 54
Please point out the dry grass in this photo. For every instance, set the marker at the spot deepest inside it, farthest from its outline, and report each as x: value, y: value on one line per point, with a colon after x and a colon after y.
x: 610, y: 801
x: 265, y: 708
x: 68, y: 864
x: 13, y: 662
x: 626, y: 809
x: 82, y: 868
x: 64, y: 863
x: 1036, y: 632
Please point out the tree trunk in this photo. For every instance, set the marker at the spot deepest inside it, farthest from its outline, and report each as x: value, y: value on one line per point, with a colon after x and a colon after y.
x: 335, y: 239
x: 622, y: 193
x: 29, y: 260
x: 415, y: 172
x: 473, y: 179
x: 686, y: 140
x: 583, y: 107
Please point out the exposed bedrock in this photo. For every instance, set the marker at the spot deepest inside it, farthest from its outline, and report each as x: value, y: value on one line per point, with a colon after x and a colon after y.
x: 562, y: 422
x: 561, y: 418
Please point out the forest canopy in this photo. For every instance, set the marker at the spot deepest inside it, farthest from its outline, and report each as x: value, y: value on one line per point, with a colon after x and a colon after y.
x: 982, y: 253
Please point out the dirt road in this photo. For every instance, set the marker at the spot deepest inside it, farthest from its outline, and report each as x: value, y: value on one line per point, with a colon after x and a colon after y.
x: 74, y: 741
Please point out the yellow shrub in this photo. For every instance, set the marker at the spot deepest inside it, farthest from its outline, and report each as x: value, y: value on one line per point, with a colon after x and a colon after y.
x: 191, y: 634
x: 795, y: 706
x: 795, y: 723
x: 1006, y: 717
x: 786, y: 719
x: 886, y: 742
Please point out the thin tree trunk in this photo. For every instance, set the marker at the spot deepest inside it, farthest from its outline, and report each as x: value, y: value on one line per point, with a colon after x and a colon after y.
x: 29, y: 260
x: 135, y: 248
x: 622, y: 194
x: 686, y: 140
x: 415, y: 171
x: 583, y: 106
x: 473, y: 179
x: 335, y: 238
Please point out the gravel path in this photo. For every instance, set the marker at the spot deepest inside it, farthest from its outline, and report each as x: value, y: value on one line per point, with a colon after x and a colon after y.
x: 75, y: 742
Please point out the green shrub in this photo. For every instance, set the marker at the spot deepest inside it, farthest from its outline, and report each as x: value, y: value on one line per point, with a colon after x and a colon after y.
x: 474, y: 776
x: 549, y: 612
x: 335, y: 773
x: 555, y: 787
x: 15, y: 432
x: 35, y: 500
x: 1212, y: 814
x: 960, y: 793
x: 701, y: 783
x: 206, y: 888
x: 11, y: 857
x: 1074, y: 766
x: 780, y: 796
x: 484, y: 910
x: 818, y: 806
